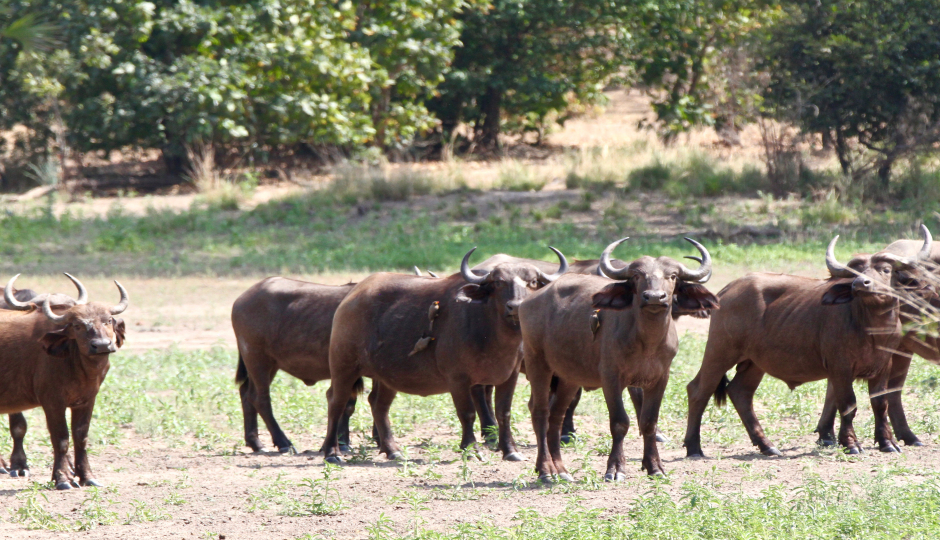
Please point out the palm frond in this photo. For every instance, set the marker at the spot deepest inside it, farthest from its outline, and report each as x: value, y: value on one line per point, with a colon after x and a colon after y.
x: 31, y: 34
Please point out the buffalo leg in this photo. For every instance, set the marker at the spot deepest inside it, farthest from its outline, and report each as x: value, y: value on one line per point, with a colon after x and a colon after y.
x: 564, y: 393
x: 647, y: 419
x: 700, y: 389
x: 261, y: 392
x: 741, y: 393
x: 81, y: 422
x: 827, y: 420
x: 845, y: 402
x: 504, y: 393
x: 484, y: 410
x: 540, y: 382
x: 383, y: 403
x: 343, y: 433
x: 250, y: 414
x: 59, y: 435
x: 900, y: 363
x: 884, y: 438
x: 338, y: 396
x: 619, y: 425
x: 636, y: 396
x: 461, y: 392
x: 567, y: 427
x: 18, y: 463
x: 373, y: 394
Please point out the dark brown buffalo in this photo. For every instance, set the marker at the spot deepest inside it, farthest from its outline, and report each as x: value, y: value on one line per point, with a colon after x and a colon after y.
x: 20, y: 300
x: 801, y: 330
x: 283, y: 324
x: 484, y: 395
x: 58, y: 362
x: 633, y: 347
x: 927, y: 347
x: 382, y: 330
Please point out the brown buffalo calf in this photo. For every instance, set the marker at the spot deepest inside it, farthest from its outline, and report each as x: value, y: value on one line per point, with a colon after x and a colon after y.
x: 283, y: 324
x: 630, y: 344
x: 801, y: 330
x: 58, y: 362
x: 429, y: 336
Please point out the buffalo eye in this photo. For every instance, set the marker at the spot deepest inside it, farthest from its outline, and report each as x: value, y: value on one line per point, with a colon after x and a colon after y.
x: 498, y: 284
x: 534, y: 284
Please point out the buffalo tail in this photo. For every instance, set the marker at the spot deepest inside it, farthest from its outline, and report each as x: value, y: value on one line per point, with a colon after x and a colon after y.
x: 241, y: 372
x: 721, y: 393
x: 359, y: 387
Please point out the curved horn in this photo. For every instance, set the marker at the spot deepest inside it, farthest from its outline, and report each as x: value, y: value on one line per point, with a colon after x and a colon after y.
x: 82, y: 293
x: 562, y: 267
x: 47, y: 311
x: 417, y: 272
x: 122, y: 305
x: 924, y: 253
x: 432, y: 274
x: 469, y: 276
x: 704, y: 270
x: 836, y: 269
x: 11, y: 301
x: 708, y: 276
x: 604, y: 264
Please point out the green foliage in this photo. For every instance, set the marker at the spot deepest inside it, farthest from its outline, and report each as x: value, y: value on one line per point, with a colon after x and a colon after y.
x: 528, y: 59
x: 859, y: 70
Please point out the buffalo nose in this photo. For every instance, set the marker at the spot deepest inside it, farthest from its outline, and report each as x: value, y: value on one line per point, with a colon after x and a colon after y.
x: 512, y: 307
x: 650, y: 296
x: 101, y: 346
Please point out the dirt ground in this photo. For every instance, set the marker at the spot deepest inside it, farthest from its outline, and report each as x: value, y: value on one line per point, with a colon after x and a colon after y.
x: 218, y: 488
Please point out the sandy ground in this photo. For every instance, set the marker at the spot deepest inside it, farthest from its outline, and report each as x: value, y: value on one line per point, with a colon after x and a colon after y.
x: 218, y: 488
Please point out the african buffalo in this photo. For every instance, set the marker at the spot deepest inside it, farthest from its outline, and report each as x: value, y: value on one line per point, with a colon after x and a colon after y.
x: 283, y: 324
x: 592, y: 333
x: 927, y: 347
x: 20, y: 300
x: 58, y: 361
x: 801, y: 330
x: 429, y: 336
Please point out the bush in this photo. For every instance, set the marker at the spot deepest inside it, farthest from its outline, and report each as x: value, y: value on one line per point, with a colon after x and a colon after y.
x: 650, y: 177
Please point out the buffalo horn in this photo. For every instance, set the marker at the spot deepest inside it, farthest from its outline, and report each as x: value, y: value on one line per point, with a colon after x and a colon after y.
x: 606, y: 268
x: 10, y: 299
x: 82, y: 293
x: 47, y: 310
x: 836, y: 269
x: 417, y: 272
x: 922, y: 255
x: 704, y: 270
x: 562, y: 267
x: 699, y: 260
x: 469, y: 275
x: 122, y: 305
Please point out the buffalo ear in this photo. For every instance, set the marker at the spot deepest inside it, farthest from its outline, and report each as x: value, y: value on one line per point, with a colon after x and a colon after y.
x: 614, y: 296
x: 56, y: 343
x: 840, y: 293
x: 119, y: 328
x: 693, y: 299
x: 473, y: 294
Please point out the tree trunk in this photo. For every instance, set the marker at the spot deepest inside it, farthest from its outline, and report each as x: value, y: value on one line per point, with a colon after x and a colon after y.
x: 884, y: 173
x: 491, y: 104
x: 842, y: 151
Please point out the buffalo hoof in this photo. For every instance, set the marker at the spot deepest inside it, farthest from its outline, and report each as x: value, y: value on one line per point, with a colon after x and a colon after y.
x: 566, y: 477
x: 546, y: 479
x: 915, y: 442
x: 344, y: 448
x: 660, y: 438
x: 771, y: 452
x: 695, y: 455
x: 569, y: 438
x: 853, y: 450
x: 658, y: 474
x: 21, y: 473
x: 826, y: 442
x: 618, y: 477
x: 93, y: 483
x: 396, y: 456
x: 289, y: 450
x: 514, y: 456
x: 63, y: 486
x: 3, y: 470
x: 335, y: 460
x: 890, y: 448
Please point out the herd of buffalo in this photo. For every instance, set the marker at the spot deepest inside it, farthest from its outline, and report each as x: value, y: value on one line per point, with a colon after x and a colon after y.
x: 603, y: 323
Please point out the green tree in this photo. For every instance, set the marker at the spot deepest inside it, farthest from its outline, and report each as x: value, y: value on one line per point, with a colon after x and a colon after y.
x: 528, y: 58
x: 682, y: 53
x: 859, y: 70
